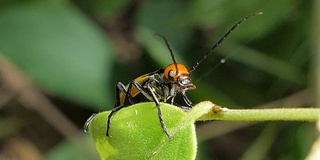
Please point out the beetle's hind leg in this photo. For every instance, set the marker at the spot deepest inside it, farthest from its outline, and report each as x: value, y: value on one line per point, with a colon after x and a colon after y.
x: 120, y: 88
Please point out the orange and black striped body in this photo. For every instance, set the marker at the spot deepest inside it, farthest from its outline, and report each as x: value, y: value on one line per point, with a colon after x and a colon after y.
x: 165, y: 84
x: 136, y: 94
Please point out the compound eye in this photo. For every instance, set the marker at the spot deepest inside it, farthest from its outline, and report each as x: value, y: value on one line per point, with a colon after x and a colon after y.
x: 171, y: 74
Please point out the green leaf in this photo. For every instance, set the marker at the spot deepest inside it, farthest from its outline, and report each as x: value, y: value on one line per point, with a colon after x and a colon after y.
x: 136, y: 133
x: 59, y: 48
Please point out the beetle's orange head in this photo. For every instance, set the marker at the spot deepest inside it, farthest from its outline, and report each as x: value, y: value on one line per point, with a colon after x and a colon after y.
x: 180, y: 75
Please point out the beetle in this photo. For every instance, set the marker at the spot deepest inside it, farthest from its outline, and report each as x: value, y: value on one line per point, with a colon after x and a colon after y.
x: 162, y: 85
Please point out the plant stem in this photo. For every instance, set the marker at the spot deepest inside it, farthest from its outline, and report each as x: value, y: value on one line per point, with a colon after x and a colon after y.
x: 275, y: 114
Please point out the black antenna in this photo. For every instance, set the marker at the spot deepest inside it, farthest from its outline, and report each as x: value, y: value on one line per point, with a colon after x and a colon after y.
x: 170, y: 50
x: 221, y: 40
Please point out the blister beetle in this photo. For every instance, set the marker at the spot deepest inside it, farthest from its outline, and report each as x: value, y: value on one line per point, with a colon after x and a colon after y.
x: 162, y: 85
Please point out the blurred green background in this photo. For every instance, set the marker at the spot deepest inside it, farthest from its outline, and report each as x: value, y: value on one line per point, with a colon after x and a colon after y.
x: 75, y: 52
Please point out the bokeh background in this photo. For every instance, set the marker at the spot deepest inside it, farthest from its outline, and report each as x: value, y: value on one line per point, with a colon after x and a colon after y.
x: 60, y: 61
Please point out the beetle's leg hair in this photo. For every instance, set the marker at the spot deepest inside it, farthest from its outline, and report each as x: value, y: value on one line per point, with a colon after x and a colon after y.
x: 155, y: 99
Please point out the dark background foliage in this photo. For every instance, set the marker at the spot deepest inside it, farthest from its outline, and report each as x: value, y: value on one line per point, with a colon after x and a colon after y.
x: 75, y: 51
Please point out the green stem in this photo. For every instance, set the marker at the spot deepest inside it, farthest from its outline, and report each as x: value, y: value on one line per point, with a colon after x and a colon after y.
x: 276, y: 114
